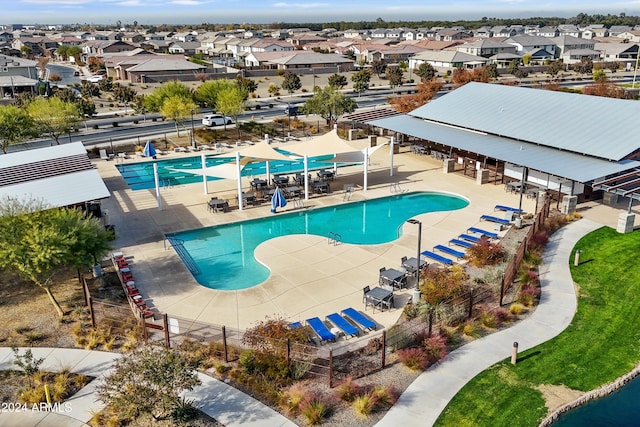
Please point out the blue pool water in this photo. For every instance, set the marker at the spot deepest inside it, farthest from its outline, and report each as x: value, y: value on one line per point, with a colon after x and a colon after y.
x: 224, y: 254
x: 139, y: 176
x: 618, y: 409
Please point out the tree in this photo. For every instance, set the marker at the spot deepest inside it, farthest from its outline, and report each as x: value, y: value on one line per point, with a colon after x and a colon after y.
x: 492, y: 70
x: 148, y: 381
x: 85, y: 108
x: 514, y: 66
x: 461, y: 76
x: 585, y: 66
x: 426, y: 91
x: 124, y: 94
x: 361, y: 81
x: 207, y: 93
x: 231, y: 103
x: 603, y: 87
x: 41, y: 65
x: 247, y: 85
x: 329, y: 104
x: 394, y: 75
x: 89, y: 89
x: 155, y: 99
x: 38, y: 242
x: 54, y: 117
x: 291, y: 82
x: 177, y: 108
x: 337, y: 81
x: 554, y: 68
x: 15, y: 126
x: 599, y: 74
x: 426, y: 71
x: 378, y: 67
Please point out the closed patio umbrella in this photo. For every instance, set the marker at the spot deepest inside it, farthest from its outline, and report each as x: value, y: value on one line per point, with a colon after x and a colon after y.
x: 149, y: 150
x: 278, y: 200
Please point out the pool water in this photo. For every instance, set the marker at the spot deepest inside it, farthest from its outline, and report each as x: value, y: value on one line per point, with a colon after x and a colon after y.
x: 139, y: 175
x: 224, y: 254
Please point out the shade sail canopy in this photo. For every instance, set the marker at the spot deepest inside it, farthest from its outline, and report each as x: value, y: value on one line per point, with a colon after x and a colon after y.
x: 328, y: 144
x: 261, y: 152
x: 225, y: 171
x: 355, y: 156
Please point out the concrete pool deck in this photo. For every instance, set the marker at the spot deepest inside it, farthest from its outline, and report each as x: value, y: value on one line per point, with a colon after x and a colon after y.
x: 309, y: 277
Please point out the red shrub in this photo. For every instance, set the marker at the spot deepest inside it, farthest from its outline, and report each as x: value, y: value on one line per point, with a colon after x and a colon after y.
x: 435, y: 348
x: 413, y: 358
x: 485, y: 252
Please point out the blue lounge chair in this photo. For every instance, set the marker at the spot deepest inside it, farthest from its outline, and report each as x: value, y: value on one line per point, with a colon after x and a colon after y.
x: 462, y: 243
x: 439, y: 258
x: 494, y: 219
x: 489, y: 234
x: 507, y: 208
x: 342, y: 324
x: 320, y: 329
x: 449, y: 251
x: 295, y: 325
x: 358, y: 318
x: 469, y: 238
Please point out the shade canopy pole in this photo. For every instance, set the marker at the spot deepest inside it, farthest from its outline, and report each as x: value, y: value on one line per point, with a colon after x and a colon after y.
x: 306, y: 177
x: 156, y: 180
x: 366, y: 168
x: 204, y: 175
x: 391, y: 142
x: 239, y: 170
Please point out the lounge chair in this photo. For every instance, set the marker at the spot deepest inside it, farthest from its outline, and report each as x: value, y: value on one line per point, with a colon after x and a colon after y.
x: 320, y: 329
x: 295, y: 325
x: 469, y: 238
x: 507, y: 208
x: 436, y: 257
x: 491, y: 218
x: 461, y: 243
x: 104, y: 155
x: 489, y: 234
x: 359, y: 319
x: 449, y: 251
x: 347, y: 328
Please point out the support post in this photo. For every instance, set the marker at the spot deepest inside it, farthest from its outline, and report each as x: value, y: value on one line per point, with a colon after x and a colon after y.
x: 470, y: 303
x: 514, y: 353
x: 330, y: 368
x: 225, y: 348
x: 391, y: 143
x: 167, y: 339
x: 384, y: 348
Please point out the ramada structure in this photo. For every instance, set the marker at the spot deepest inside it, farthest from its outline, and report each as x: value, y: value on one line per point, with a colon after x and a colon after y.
x: 574, y: 146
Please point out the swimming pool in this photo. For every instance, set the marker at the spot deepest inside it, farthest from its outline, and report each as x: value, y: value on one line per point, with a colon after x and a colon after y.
x: 139, y: 175
x: 224, y: 254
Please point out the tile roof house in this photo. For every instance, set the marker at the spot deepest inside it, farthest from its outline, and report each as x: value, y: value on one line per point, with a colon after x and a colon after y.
x: 486, y: 48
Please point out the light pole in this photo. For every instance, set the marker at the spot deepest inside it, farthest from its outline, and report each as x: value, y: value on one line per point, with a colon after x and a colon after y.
x: 415, y: 221
x: 193, y: 139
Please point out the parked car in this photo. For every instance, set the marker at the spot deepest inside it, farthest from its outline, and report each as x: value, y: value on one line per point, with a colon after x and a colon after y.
x: 216, y: 120
x: 94, y: 79
x: 291, y: 110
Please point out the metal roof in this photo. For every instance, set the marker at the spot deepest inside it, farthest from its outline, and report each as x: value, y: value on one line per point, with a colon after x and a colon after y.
x: 596, y: 126
x: 573, y: 166
x: 61, y: 175
x: 368, y: 116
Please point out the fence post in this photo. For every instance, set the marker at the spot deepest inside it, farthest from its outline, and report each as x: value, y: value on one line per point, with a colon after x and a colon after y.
x: 85, y: 291
x: 224, y: 344
x: 501, y: 291
x: 384, y: 347
x: 430, y: 322
x: 330, y: 368
x: 288, y: 352
x: 91, y: 313
x: 470, y: 303
x: 145, y: 333
x: 167, y: 340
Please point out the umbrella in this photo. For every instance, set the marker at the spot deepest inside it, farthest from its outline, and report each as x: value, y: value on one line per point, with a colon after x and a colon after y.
x: 149, y: 150
x: 278, y: 200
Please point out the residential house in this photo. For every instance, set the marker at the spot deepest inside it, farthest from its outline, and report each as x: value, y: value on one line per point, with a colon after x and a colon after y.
x: 303, y: 39
x: 573, y: 49
x: 184, y: 48
x: 626, y: 53
x: 629, y: 36
x: 17, y: 75
x: 616, y: 30
x: 132, y: 38
x: 253, y: 34
x: 595, y: 31
x: 548, y: 32
x: 569, y: 30
x: 448, y: 35
x: 117, y: 63
x: 184, y: 37
x: 5, y: 36
x: 486, y: 48
x: 356, y: 34
x: 447, y: 60
x: 483, y: 33
x: 99, y: 47
x: 164, y: 69
x: 527, y: 43
x: 504, y: 31
x: 299, y: 60
x: 159, y: 36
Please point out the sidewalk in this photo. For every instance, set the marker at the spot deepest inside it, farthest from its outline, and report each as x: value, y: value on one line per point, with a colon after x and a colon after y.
x: 424, y: 400
x: 215, y: 398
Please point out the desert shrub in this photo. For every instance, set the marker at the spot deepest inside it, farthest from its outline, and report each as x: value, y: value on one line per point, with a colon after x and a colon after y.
x: 470, y: 329
x: 488, y: 319
x: 294, y: 397
x: 349, y: 390
x: 528, y: 294
x: 364, y: 405
x: 532, y: 258
x: 442, y: 283
x: 539, y: 240
x: 516, y: 308
x: 435, y: 348
x: 485, y: 252
x: 34, y: 337
x: 315, y: 411
x: 184, y: 411
x: 527, y: 276
x: 502, y: 315
x: 384, y: 397
x: 413, y: 358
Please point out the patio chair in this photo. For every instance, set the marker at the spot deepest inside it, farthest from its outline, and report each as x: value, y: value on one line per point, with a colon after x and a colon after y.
x: 347, y: 328
x: 321, y: 329
x: 507, y: 208
x: 491, y: 218
x: 434, y: 256
x: 489, y: 234
x: 359, y: 319
x: 364, y: 293
x: 449, y: 251
x: 104, y: 155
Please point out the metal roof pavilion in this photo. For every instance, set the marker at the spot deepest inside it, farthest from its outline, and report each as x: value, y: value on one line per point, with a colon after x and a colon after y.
x: 591, y: 125
x: 58, y: 176
x: 569, y: 165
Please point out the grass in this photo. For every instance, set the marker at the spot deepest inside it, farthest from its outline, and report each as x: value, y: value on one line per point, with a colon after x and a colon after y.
x: 601, y: 344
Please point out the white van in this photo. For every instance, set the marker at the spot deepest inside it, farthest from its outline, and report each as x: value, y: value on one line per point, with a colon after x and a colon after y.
x: 216, y: 120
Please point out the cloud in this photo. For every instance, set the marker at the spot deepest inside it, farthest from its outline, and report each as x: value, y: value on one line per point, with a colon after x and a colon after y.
x: 300, y: 5
x: 187, y: 2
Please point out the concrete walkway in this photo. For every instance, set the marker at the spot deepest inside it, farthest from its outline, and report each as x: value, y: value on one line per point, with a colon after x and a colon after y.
x: 424, y: 400
x: 215, y: 398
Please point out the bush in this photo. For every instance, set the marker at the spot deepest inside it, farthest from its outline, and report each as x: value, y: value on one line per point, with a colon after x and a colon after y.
x: 294, y: 398
x: 516, y: 308
x: 488, y: 320
x: 413, y: 358
x: 485, y: 252
x: 135, y: 121
x: 114, y: 124
x: 384, y: 397
x: 502, y: 315
x: 528, y: 294
x: 470, y: 329
x: 315, y: 411
x: 363, y: 405
x: 442, y: 283
x: 435, y: 348
x: 349, y: 390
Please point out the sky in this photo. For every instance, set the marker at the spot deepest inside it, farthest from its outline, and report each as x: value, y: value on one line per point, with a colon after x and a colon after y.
x: 150, y: 12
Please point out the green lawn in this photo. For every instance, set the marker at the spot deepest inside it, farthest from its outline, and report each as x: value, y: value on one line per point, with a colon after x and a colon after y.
x: 601, y: 344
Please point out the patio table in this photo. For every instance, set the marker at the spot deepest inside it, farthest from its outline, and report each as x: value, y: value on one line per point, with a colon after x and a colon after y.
x: 393, y: 277
x: 326, y: 175
x: 379, y: 297
x: 281, y: 181
x: 411, y: 264
x: 218, y: 205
